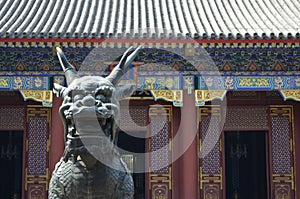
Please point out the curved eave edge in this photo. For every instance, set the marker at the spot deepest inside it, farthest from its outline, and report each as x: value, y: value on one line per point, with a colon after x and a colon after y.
x: 112, y: 42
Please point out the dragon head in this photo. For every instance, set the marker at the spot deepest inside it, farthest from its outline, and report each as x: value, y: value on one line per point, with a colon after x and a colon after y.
x: 90, y: 109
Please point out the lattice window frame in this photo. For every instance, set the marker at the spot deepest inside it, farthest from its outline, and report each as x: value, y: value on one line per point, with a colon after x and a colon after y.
x: 249, y: 118
x: 12, y: 118
x: 282, y: 177
x: 211, y: 179
x: 160, y: 181
x: 134, y: 119
x: 38, y: 127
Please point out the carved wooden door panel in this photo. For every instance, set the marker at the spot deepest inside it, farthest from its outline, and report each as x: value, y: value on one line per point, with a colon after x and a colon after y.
x: 282, y: 156
x: 251, y: 119
x: 37, y: 152
x: 211, y: 153
x: 281, y: 147
x: 160, y: 176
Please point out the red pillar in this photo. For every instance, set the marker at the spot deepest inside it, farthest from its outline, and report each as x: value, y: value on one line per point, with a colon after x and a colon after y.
x: 189, y: 160
x: 57, y: 134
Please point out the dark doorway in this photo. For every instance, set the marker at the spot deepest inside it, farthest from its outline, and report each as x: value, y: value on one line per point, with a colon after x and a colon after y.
x: 11, y: 146
x: 134, y: 143
x: 246, y: 165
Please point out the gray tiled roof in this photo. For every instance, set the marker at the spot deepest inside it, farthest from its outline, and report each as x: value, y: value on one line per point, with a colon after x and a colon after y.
x: 198, y: 18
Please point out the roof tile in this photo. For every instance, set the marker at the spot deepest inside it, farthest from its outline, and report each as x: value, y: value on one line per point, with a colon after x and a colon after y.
x: 138, y: 18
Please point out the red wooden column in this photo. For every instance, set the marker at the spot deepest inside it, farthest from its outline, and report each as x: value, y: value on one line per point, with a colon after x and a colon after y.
x: 57, y: 134
x: 189, y: 160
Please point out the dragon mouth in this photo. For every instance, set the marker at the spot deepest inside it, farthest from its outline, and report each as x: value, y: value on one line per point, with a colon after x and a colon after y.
x: 92, y: 120
x: 92, y: 112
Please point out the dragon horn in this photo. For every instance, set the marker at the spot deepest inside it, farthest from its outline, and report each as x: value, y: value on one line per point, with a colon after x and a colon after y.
x: 70, y: 72
x: 120, y: 69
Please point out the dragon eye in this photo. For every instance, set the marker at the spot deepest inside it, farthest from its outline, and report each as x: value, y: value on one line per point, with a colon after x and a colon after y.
x: 101, y: 98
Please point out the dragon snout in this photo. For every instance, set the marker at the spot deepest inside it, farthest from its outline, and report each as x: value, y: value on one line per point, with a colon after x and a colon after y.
x: 88, y: 101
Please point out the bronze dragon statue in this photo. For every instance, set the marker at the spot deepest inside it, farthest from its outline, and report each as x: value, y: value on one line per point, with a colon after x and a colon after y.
x: 91, y: 166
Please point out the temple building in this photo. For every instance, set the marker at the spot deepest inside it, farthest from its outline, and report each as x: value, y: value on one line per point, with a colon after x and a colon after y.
x: 216, y: 102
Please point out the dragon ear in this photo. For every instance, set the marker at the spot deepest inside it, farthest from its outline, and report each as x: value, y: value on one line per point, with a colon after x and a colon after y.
x: 59, y: 90
x: 70, y: 72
